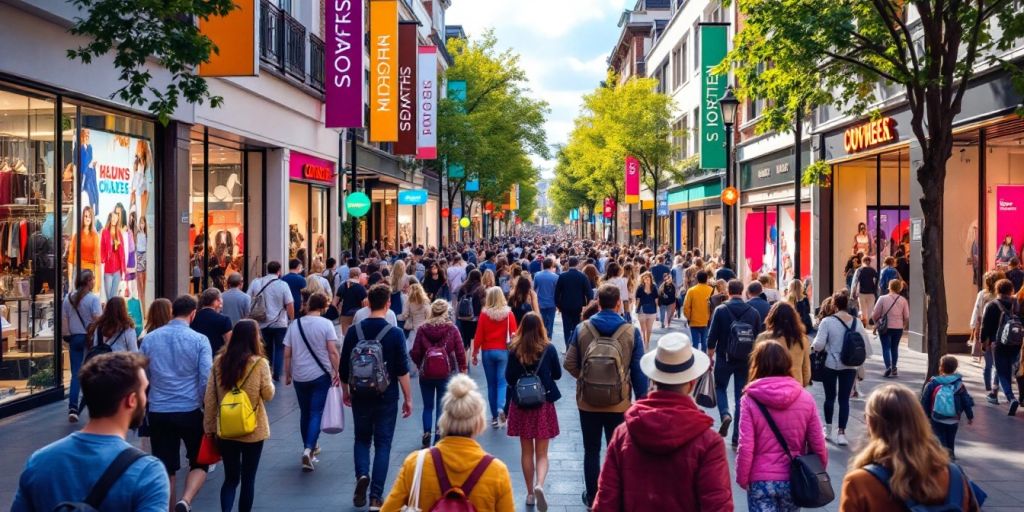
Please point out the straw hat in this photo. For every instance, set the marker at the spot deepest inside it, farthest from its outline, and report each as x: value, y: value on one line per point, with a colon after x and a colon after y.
x: 674, y: 361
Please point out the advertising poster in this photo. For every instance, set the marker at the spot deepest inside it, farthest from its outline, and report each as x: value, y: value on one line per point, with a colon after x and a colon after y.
x: 383, y: 70
x: 1009, y: 223
x: 343, y: 53
x: 760, y: 242
x: 893, y: 229
x: 714, y: 43
x: 426, y: 93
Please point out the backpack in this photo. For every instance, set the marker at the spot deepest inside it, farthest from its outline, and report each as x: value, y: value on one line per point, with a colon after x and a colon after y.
x: 530, y: 391
x: 882, y: 325
x: 1011, y: 330
x: 100, y: 347
x: 368, y: 375
x: 259, y: 304
x: 853, y: 352
x: 954, y: 496
x: 465, y: 310
x: 456, y: 499
x: 436, y: 364
x: 237, y: 416
x: 945, y: 405
x: 602, y: 381
x: 101, y: 488
x: 740, y: 342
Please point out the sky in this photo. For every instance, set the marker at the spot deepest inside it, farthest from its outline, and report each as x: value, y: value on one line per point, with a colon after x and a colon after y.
x: 563, y: 47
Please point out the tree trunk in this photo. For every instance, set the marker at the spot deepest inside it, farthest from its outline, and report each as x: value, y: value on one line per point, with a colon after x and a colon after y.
x: 932, y: 177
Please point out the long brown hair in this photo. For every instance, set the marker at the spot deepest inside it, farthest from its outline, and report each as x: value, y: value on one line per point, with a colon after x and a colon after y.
x: 530, y: 340
x: 769, y: 359
x: 159, y: 314
x: 900, y: 439
x: 113, y: 321
x: 784, y: 324
x: 234, y: 357
x: 520, y: 294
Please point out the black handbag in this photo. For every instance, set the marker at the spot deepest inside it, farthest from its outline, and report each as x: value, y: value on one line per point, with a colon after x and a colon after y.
x: 530, y: 391
x: 818, y: 365
x: 809, y: 483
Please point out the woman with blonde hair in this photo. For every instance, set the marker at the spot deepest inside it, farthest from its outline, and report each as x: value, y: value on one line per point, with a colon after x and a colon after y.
x: 436, y: 331
x: 487, y: 279
x: 630, y: 274
x: 314, y: 285
x: 796, y: 296
x: 902, y: 462
x: 399, y: 296
x: 416, y: 311
x: 494, y: 331
x: 459, y: 455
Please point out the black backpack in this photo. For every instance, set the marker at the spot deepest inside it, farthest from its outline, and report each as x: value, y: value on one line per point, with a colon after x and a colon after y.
x: 854, y: 351
x: 102, y: 487
x: 100, y: 347
x: 530, y: 391
x: 1011, y: 330
x: 466, y: 311
x: 740, y: 342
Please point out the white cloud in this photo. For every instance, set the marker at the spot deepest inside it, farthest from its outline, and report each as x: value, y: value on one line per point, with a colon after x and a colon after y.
x: 596, y: 66
x: 547, y: 18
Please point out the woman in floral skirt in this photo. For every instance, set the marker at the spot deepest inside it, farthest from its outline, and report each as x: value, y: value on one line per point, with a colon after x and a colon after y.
x: 532, y: 354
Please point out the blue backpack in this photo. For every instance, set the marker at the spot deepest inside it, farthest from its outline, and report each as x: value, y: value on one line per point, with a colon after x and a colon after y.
x: 944, y: 401
x: 954, y: 497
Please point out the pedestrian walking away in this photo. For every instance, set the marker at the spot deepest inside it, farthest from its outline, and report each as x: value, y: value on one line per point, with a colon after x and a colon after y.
x: 945, y: 400
x: 438, y: 353
x: 734, y: 328
x: 837, y: 336
x: 891, y: 316
x: 273, y: 306
x: 80, y: 309
x: 494, y: 332
x: 572, y: 293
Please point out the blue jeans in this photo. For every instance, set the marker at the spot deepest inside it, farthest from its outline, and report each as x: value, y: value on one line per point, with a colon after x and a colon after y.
x: 946, y: 432
x: 663, y: 310
x: 699, y: 336
x: 548, y: 315
x: 76, y: 354
x: 374, y: 420
x: 1004, y: 358
x: 891, y: 346
x: 495, y: 362
x: 724, y: 370
x: 110, y: 284
x: 273, y: 344
x: 432, y: 391
x: 986, y: 374
x: 312, y: 397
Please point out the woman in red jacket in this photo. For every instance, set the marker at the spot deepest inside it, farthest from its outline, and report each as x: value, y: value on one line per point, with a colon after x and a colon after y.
x: 494, y: 331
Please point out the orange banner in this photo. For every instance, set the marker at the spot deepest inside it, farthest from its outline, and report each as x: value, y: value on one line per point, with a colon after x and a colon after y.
x: 235, y: 38
x: 384, y: 70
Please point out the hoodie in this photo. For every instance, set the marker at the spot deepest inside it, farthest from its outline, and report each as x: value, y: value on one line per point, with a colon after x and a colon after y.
x: 664, y: 457
x: 760, y: 457
x: 433, y: 333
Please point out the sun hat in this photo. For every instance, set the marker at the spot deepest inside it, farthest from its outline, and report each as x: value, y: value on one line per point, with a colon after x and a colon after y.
x: 674, y: 361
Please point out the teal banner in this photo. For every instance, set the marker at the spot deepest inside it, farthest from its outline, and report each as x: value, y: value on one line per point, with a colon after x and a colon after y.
x: 714, y: 44
x: 456, y: 171
x: 457, y: 92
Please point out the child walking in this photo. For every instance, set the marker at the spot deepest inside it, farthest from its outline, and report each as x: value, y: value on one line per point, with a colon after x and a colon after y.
x: 945, y: 399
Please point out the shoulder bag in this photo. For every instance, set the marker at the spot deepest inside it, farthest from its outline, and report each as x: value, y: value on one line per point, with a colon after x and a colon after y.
x: 810, y: 484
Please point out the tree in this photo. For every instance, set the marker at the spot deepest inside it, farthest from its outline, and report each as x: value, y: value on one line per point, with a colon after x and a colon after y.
x: 833, y: 52
x: 138, y: 30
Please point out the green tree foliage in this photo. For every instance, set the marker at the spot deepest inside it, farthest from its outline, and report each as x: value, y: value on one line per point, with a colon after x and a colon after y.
x: 799, y: 53
x: 139, y: 30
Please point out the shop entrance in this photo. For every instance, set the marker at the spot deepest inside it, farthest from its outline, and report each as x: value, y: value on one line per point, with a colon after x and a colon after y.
x: 308, y: 224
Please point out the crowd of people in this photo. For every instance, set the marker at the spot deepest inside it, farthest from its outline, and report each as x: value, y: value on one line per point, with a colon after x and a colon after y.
x: 361, y: 330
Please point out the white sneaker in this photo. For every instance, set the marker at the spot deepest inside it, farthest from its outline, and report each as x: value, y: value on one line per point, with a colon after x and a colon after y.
x: 307, y: 461
x: 827, y: 429
x: 542, y: 501
x: 841, y: 439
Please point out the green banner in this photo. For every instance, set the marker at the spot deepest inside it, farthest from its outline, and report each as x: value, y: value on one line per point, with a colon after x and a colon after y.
x: 714, y: 44
x: 456, y: 171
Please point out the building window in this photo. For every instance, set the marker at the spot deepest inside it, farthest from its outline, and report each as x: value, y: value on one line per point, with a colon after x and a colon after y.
x: 696, y: 45
x: 677, y: 65
x: 679, y: 138
x: 661, y: 75
x: 684, y: 70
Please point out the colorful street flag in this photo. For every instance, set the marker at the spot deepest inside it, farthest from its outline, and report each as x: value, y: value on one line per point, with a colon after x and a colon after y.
x: 383, y: 70
x: 632, y: 180
x: 343, y: 55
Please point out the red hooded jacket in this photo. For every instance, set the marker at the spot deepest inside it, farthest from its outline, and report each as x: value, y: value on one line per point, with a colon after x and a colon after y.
x: 665, y: 457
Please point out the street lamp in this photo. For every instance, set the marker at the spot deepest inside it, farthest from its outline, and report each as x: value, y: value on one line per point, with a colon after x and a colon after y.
x: 728, y: 104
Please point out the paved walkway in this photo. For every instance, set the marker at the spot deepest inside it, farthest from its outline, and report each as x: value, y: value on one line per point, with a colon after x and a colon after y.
x: 985, y: 450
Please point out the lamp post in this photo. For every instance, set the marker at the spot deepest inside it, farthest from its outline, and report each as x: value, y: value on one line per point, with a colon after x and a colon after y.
x: 728, y: 104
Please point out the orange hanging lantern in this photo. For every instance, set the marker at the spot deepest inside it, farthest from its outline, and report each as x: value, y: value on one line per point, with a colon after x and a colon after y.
x: 730, y: 196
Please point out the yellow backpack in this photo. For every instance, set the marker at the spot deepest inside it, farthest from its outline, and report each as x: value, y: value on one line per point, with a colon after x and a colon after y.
x: 237, y: 416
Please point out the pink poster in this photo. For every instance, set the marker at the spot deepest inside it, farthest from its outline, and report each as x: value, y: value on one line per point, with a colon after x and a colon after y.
x: 632, y: 180
x: 1009, y: 222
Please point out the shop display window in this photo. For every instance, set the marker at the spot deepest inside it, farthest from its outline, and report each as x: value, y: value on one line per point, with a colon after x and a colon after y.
x: 769, y: 245
x: 1004, y: 176
x: 307, y: 224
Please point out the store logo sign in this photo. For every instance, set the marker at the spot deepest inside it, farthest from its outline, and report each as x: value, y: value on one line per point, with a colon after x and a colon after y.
x: 870, y: 134
x: 412, y: 197
x: 316, y: 172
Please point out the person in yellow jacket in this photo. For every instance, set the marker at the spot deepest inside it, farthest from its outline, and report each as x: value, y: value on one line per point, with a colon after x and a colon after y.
x: 697, y: 310
x: 463, y: 418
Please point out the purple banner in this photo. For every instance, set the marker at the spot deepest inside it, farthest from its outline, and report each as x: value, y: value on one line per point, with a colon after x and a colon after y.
x: 343, y: 55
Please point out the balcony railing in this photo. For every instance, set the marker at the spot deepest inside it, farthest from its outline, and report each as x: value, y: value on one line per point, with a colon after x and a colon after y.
x: 271, y: 34
x: 316, y: 63
x: 295, y: 48
x: 283, y: 47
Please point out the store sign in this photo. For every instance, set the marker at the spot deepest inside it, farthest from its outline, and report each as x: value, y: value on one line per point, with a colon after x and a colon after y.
x: 662, y: 204
x: 357, y: 204
x: 457, y: 212
x: 343, y: 53
x: 869, y: 134
x: 776, y: 169
x: 426, y: 93
x: 1009, y: 212
x: 383, y: 70
x: 303, y: 167
x: 714, y: 44
x: 632, y: 173
x: 464, y: 222
x: 234, y: 34
x: 414, y: 197
x: 456, y: 171
x: 407, y: 56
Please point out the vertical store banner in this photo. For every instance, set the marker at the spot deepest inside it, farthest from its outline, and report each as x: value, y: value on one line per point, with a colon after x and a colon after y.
x: 426, y: 92
x: 457, y: 93
x: 407, y: 47
x: 383, y: 70
x: 632, y: 180
x: 714, y: 44
x: 343, y: 53
x: 662, y: 203
x: 234, y: 35
x: 609, y: 207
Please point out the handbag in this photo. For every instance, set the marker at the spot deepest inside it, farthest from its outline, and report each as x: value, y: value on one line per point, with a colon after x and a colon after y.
x: 818, y: 366
x: 208, y: 452
x: 333, y: 421
x: 530, y: 392
x: 809, y: 483
x: 413, y: 505
x: 704, y: 390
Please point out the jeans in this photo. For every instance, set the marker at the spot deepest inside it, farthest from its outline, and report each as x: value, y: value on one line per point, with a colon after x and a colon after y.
x: 110, y: 284
x: 494, y: 362
x: 891, y: 346
x: 240, y: 463
x: 432, y: 391
x: 1004, y: 358
x: 273, y: 344
x: 724, y: 370
x: 467, y: 329
x: 946, y: 432
x: 548, y: 315
x: 76, y: 354
x: 570, y: 320
x: 770, y: 496
x: 312, y: 397
x: 986, y: 373
x: 699, y: 337
x: 663, y: 310
x: 844, y: 379
x: 593, y: 424
x: 374, y: 420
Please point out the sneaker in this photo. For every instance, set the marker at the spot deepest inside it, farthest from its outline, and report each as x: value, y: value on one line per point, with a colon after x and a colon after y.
x: 841, y: 439
x: 182, y: 506
x: 530, y: 500
x: 502, y: 419
x: 888, y: 372
x: 494, y: 423
x: 992, y: 399
x: 376, y: 504
x: 723, y: 430
x: 307, y: 460
x: 542, y: 501
x: 362, y: 484
x: 895, y: 372
x: 828, y: 431
x: 73, y: 417
x: 426, y: 439
x: 316, y: 452
x: 1013, y: 408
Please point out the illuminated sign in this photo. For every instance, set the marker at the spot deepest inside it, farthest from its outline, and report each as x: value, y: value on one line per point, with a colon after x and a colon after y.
x: 869, y: 134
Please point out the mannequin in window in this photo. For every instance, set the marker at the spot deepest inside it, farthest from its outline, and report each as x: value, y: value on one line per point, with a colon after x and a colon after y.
x: 88, y: 170
x: 112, y: 255
x: 141, y: 246
x: 140, y: 172
x: 861, y: 241
x: 86, y: 240
x: 1006, y: 251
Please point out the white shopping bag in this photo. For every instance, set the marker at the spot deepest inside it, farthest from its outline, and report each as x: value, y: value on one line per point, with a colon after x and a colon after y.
x: 333, y: 421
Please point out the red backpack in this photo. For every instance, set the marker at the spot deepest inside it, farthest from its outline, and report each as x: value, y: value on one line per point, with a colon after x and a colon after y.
x: 436, y: 363
x: 456, y: 499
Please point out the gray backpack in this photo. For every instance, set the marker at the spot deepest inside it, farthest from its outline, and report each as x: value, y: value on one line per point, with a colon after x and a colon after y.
x: 259, y: 304
x: 369, y: 375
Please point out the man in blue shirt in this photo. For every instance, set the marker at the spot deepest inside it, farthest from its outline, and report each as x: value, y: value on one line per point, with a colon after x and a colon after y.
x: 179, y: 368
x: 718, y: 332
x: 536, y: 265
x: 544, y: 284
x: 114, y: 389
x: 658, y: 271
x: 295, y: 280
x: 756, y: 300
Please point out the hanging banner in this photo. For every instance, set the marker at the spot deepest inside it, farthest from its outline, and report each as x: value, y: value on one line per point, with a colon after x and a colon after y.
x: 714, y: 44
x: 407, y: 55
x: 472, y: 185
x: 234, y: 34
x: 456, y: 171
x: 457, y: 93
x: 632, y: 180
x: 609, y: 207
x: 662, y: 204
x: 514, y: 197
x: 426, y: 93
x: 383, y: 70
x: 457, y: 211
x: 343, y: 53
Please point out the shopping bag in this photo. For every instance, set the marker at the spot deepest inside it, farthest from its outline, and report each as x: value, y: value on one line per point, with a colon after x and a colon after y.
x: 208, y: 452
x: 135, y: 312
x: 413, y: 505
x: 333, y: 421
x: 704, y: 390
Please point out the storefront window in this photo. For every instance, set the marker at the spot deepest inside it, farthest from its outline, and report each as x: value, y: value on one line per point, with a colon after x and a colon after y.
x: 308, y: 209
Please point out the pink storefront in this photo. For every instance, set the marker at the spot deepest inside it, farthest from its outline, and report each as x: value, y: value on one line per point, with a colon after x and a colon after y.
x: 310, y: 216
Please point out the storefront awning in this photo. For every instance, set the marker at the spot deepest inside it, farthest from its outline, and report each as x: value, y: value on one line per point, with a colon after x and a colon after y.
x: 696, y: 195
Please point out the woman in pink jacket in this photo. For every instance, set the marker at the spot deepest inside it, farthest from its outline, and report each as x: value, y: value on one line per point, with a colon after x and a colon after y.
x: 896, y: 309
x: 762, y: 466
